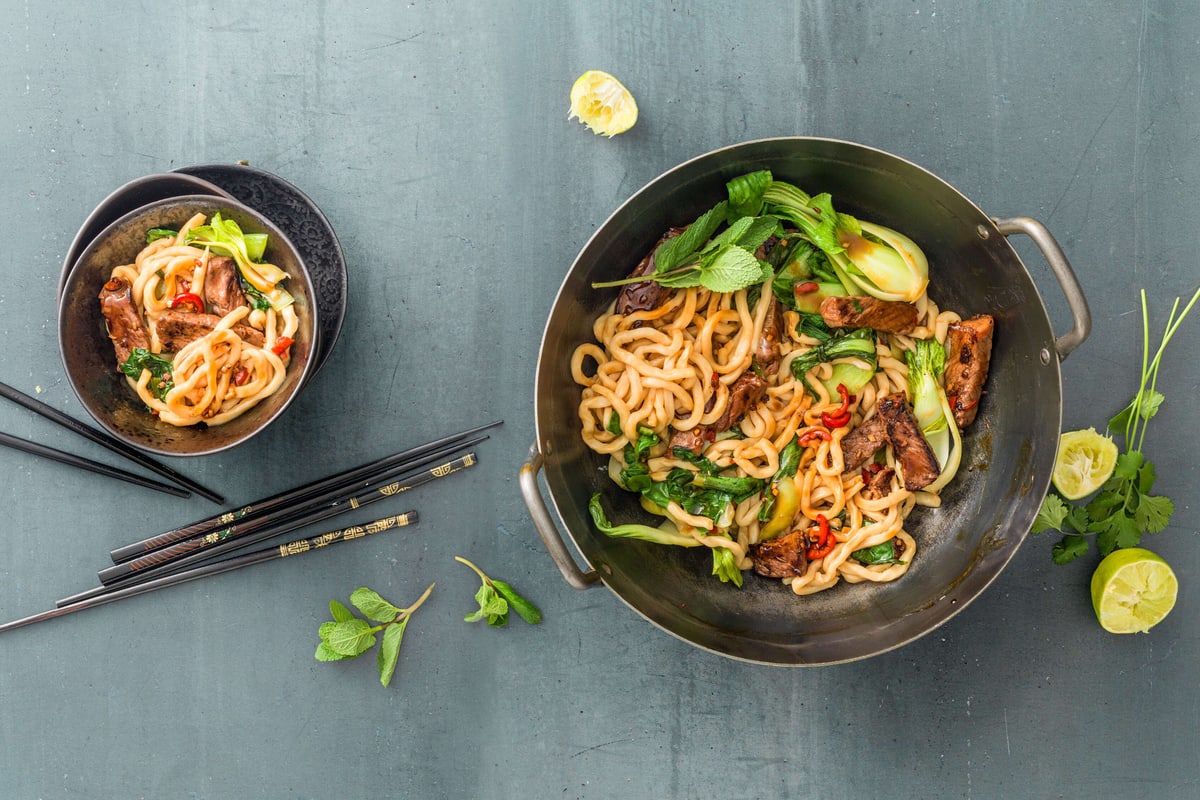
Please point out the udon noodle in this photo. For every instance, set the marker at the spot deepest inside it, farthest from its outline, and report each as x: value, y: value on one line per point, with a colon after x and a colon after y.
x: 657, y: 369
x: 221, y: 374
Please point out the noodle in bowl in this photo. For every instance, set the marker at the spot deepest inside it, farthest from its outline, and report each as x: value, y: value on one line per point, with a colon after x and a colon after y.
x: 229, y: 372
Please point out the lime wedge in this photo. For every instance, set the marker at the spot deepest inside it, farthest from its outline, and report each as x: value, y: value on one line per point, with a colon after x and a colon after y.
x: 599, y: 101
x: 1133, y: 590
x: 1085, y: 461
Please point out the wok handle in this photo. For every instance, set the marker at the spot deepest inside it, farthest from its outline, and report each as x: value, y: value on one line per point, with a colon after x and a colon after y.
x: 546, y: 528
x: 1062, y: 271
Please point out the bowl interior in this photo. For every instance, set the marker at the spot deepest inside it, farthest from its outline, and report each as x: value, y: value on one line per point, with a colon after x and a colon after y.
x: 986, y: 511
x: 87, y: 352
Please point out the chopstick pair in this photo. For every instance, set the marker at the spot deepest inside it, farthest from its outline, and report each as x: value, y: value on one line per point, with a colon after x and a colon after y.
x: 206, y: 539
x: 298, y: 547
x: 103, y: 439
x: 176, y: 571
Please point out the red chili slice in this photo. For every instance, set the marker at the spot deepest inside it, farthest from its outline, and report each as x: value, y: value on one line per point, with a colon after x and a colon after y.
x: 825, y: 540
x: 281, y: 345
x: 808, y: 287
x: 188, y: 299
x: 806, y: 438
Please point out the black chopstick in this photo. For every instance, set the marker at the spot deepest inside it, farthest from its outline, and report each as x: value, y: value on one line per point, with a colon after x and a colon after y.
x: 193, y: 551
x: 298, y: 547
x: 33, y: 448
x: 103, y: 439
x: 305, y: 493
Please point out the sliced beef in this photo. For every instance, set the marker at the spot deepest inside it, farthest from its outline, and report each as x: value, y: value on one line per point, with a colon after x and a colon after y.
x: 868, y: 312
x: 644, y: 295
x: 879, y: 484
x: 124, y: 323
x: 692, y: 440
x: 968, y: 354
x: 178, y: 328
x: 747, y: 390
x: 916, y: 458
x: 222, y: 286
x: 766, y: 352
x: 780, y: 558
x: 860, y: 444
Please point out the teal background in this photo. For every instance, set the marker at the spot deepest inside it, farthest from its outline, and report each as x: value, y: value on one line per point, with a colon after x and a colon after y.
x: 434, y: 135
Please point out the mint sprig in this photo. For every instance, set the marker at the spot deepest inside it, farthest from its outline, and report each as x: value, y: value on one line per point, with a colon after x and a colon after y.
x: 348, y: 635
x: 495, y: 597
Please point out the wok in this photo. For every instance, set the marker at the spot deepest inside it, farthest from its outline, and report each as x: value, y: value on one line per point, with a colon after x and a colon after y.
x: 986, y: 511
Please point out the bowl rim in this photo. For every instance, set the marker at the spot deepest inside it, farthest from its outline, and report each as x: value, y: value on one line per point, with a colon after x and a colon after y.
x: 280, y: 238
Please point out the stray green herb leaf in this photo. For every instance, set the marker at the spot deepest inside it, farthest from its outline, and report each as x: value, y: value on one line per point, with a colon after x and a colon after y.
x: 495, y: 597
x: 349, y: 636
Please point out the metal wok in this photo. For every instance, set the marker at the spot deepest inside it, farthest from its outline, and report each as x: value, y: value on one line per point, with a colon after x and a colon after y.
x: 986, y: 511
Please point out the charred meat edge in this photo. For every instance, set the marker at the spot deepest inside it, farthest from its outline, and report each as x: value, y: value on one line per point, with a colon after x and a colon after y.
x: 179, y: 328
x: 968, y: 356
x: 124, y: 323
x: 222, y: 286
x: 891, y: 316
x: 914, y: 454
x: 780, y: 558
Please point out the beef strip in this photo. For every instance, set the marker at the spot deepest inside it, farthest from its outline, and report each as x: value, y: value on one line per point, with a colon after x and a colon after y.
x: 644, y: 295
x: 968, y: 354
x: 747, y: 390
x: 124, y: 323
x: 692, y: 440
x: 780, y: 558
x: 222, y: 286
x: 860, y: 444
x: 879, y: 485
x: 868, y: 312
x: 766, y: 352
x: 178, y: 328
x: 916, y: 458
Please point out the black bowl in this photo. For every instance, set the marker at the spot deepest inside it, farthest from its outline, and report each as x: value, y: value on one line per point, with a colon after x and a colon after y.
x: 87, y: 352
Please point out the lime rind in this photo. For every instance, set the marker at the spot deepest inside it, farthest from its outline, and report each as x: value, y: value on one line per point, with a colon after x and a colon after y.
x: 1133, y: 590
x: 1085, y: 460
x: 602, y: 103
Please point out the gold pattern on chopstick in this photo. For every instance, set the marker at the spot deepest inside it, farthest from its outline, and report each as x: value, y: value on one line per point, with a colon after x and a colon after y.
x: 392, y: 488
x: 354, y: 532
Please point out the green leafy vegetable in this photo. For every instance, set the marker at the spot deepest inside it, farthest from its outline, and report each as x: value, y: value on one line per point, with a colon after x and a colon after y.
x: 349, y: 635
x: 154, y: 234
x: 866, y: 257
x: 882, y: 553
x: 613, y: 425
x: 160, y: 371
x: 858, y: 344
x: 1124, y: 509
x: 779, y: 505
x: 931, y: 407
x: 636, y: 475
x: 667, y: 533
x: 725, y: 566
x: 495, y: 597
x: 225, y: 236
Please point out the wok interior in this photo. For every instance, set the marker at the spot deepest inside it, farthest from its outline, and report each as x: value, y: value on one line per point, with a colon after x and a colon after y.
x: 987, y: 510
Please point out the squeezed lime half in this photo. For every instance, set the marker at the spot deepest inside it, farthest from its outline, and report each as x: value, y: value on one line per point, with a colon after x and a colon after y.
x: 1133, y: 590
x: 602, y: 102
x: 1084, y: 462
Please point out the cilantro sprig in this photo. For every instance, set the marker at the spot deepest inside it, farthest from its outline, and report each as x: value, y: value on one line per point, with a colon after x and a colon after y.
x: 495, y: 597
x: 1124, y: 509
x: 348, y: 635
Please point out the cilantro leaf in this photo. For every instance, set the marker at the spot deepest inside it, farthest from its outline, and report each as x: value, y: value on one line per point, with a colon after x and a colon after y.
x: 1069, y: 548
x: 1051, y: 515
x: 1153, y: 513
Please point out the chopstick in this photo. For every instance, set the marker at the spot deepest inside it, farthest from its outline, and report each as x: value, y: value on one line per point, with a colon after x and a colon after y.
x: 298, y: 547
x: 33, y: 448
x: 105, y: 440
x: 193, y: 551
x: 309, y: 493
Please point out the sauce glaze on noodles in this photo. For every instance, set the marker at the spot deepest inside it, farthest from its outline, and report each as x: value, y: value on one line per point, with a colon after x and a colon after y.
x: 657, y: 374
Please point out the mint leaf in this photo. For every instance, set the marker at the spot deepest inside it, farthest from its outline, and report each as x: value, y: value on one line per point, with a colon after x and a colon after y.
x: 389, y: 650
x: 492, y: 607
x: 339, y: 612
x: 351, y: 638
x: 1153, y: 513
x: 1051, y: 515
x: 528, y: 611
x: 729, y: 269
x: 678, y: 250
x: 1069, y: 548
x: 372, y: 605
x: 327, y: 653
